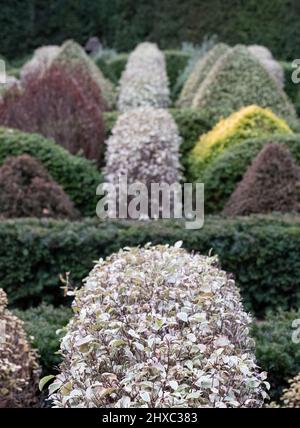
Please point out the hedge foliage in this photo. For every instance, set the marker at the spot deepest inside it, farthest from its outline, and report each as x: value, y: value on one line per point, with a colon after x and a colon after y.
x: 249, y: 122
x: 237, y: 80
x: 275, y: 351
x: 262, y: 252
x: 192, y: 123
x: 222, y: 176
x: 124, y: 23
x: 78, y: 177
x: 41, y: 325
x: 199, y: 73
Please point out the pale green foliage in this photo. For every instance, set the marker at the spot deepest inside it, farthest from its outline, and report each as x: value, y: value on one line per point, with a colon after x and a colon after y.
x: 237, y: 80
x: 158, y: 327
x: 199, y: 73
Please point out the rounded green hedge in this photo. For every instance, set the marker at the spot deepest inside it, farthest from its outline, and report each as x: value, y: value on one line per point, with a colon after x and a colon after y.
x: 222, y: 176
x: 261, y: 251
x: 78, y: 177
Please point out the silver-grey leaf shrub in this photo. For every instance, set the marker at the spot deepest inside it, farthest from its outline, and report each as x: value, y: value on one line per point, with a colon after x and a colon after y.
x: 158, y: 327
x: 144, y: 145
x: 144, y: 81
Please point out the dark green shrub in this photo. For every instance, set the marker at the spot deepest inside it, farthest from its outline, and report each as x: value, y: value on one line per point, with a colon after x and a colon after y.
x: 191, y: 123
x: 261, y: 251
x: 117, y: 65
x: 222, y: 176
x: 275, y: 351
x: 78, y: 177
x: 41, y: 324
x: 176, y: 62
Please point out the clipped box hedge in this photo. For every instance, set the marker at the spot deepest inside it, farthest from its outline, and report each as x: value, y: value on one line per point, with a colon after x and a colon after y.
x: 261, y: 251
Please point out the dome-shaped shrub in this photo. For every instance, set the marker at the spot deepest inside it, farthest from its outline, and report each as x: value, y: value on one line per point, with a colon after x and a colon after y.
x: 271, y: 183
x: 249, y: 122
x: 77, y: 176
x: 199, y: 73
x: 291, y: 395
x: 144, y: 145
x: 158, y: 327
x: 144, y: 81
x: 56, y: 106
x: 79, y: 65
x: 238, y: 80
x: 39, y: 63
x: 223, y: 175
x: 27, y: 190
x: 266, y: 59
x: 19, y: 370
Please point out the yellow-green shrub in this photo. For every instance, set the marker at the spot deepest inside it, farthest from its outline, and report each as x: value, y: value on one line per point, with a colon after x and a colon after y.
x: 249, y: 122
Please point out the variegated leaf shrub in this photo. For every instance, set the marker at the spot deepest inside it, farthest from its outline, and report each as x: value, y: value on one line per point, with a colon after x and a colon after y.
x: 158, y: 327
x: 144, y: 145
x: 19, y: 370
x: 144, y: 81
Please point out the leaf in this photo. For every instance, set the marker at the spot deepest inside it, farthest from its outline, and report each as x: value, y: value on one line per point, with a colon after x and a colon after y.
x: 45, y: 380
x: 145, y: 396
x: 182, y: 316
x: 173, y: 384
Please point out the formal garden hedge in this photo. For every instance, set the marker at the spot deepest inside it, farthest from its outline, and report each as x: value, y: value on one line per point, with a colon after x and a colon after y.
x: 123, y: 24
x: 261, y: 251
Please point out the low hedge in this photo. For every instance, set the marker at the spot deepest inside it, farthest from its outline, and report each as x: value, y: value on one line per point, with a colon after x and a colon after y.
x: 275, y: 350
x: 223, y: 175
x: 262, y: 252
x: 292, y: 89
x: 191, y: 123
x: 176, y: 61
x: 41, y: 325
x: 78, y: 176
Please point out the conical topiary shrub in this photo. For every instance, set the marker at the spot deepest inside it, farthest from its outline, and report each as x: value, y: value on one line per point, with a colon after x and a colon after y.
x: 144, y: 81
x: 144, y: 145
x: 39, y: 63
x: 79, y: 65
x: 223, y: 175
x: 249, y: 122
x: 19, y: 371
x: 198, y: 74
x: 56, y: 106
x: 238, y: 80
x: 271, y: 183
x: 158, y: 327
x: 27, y: 190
